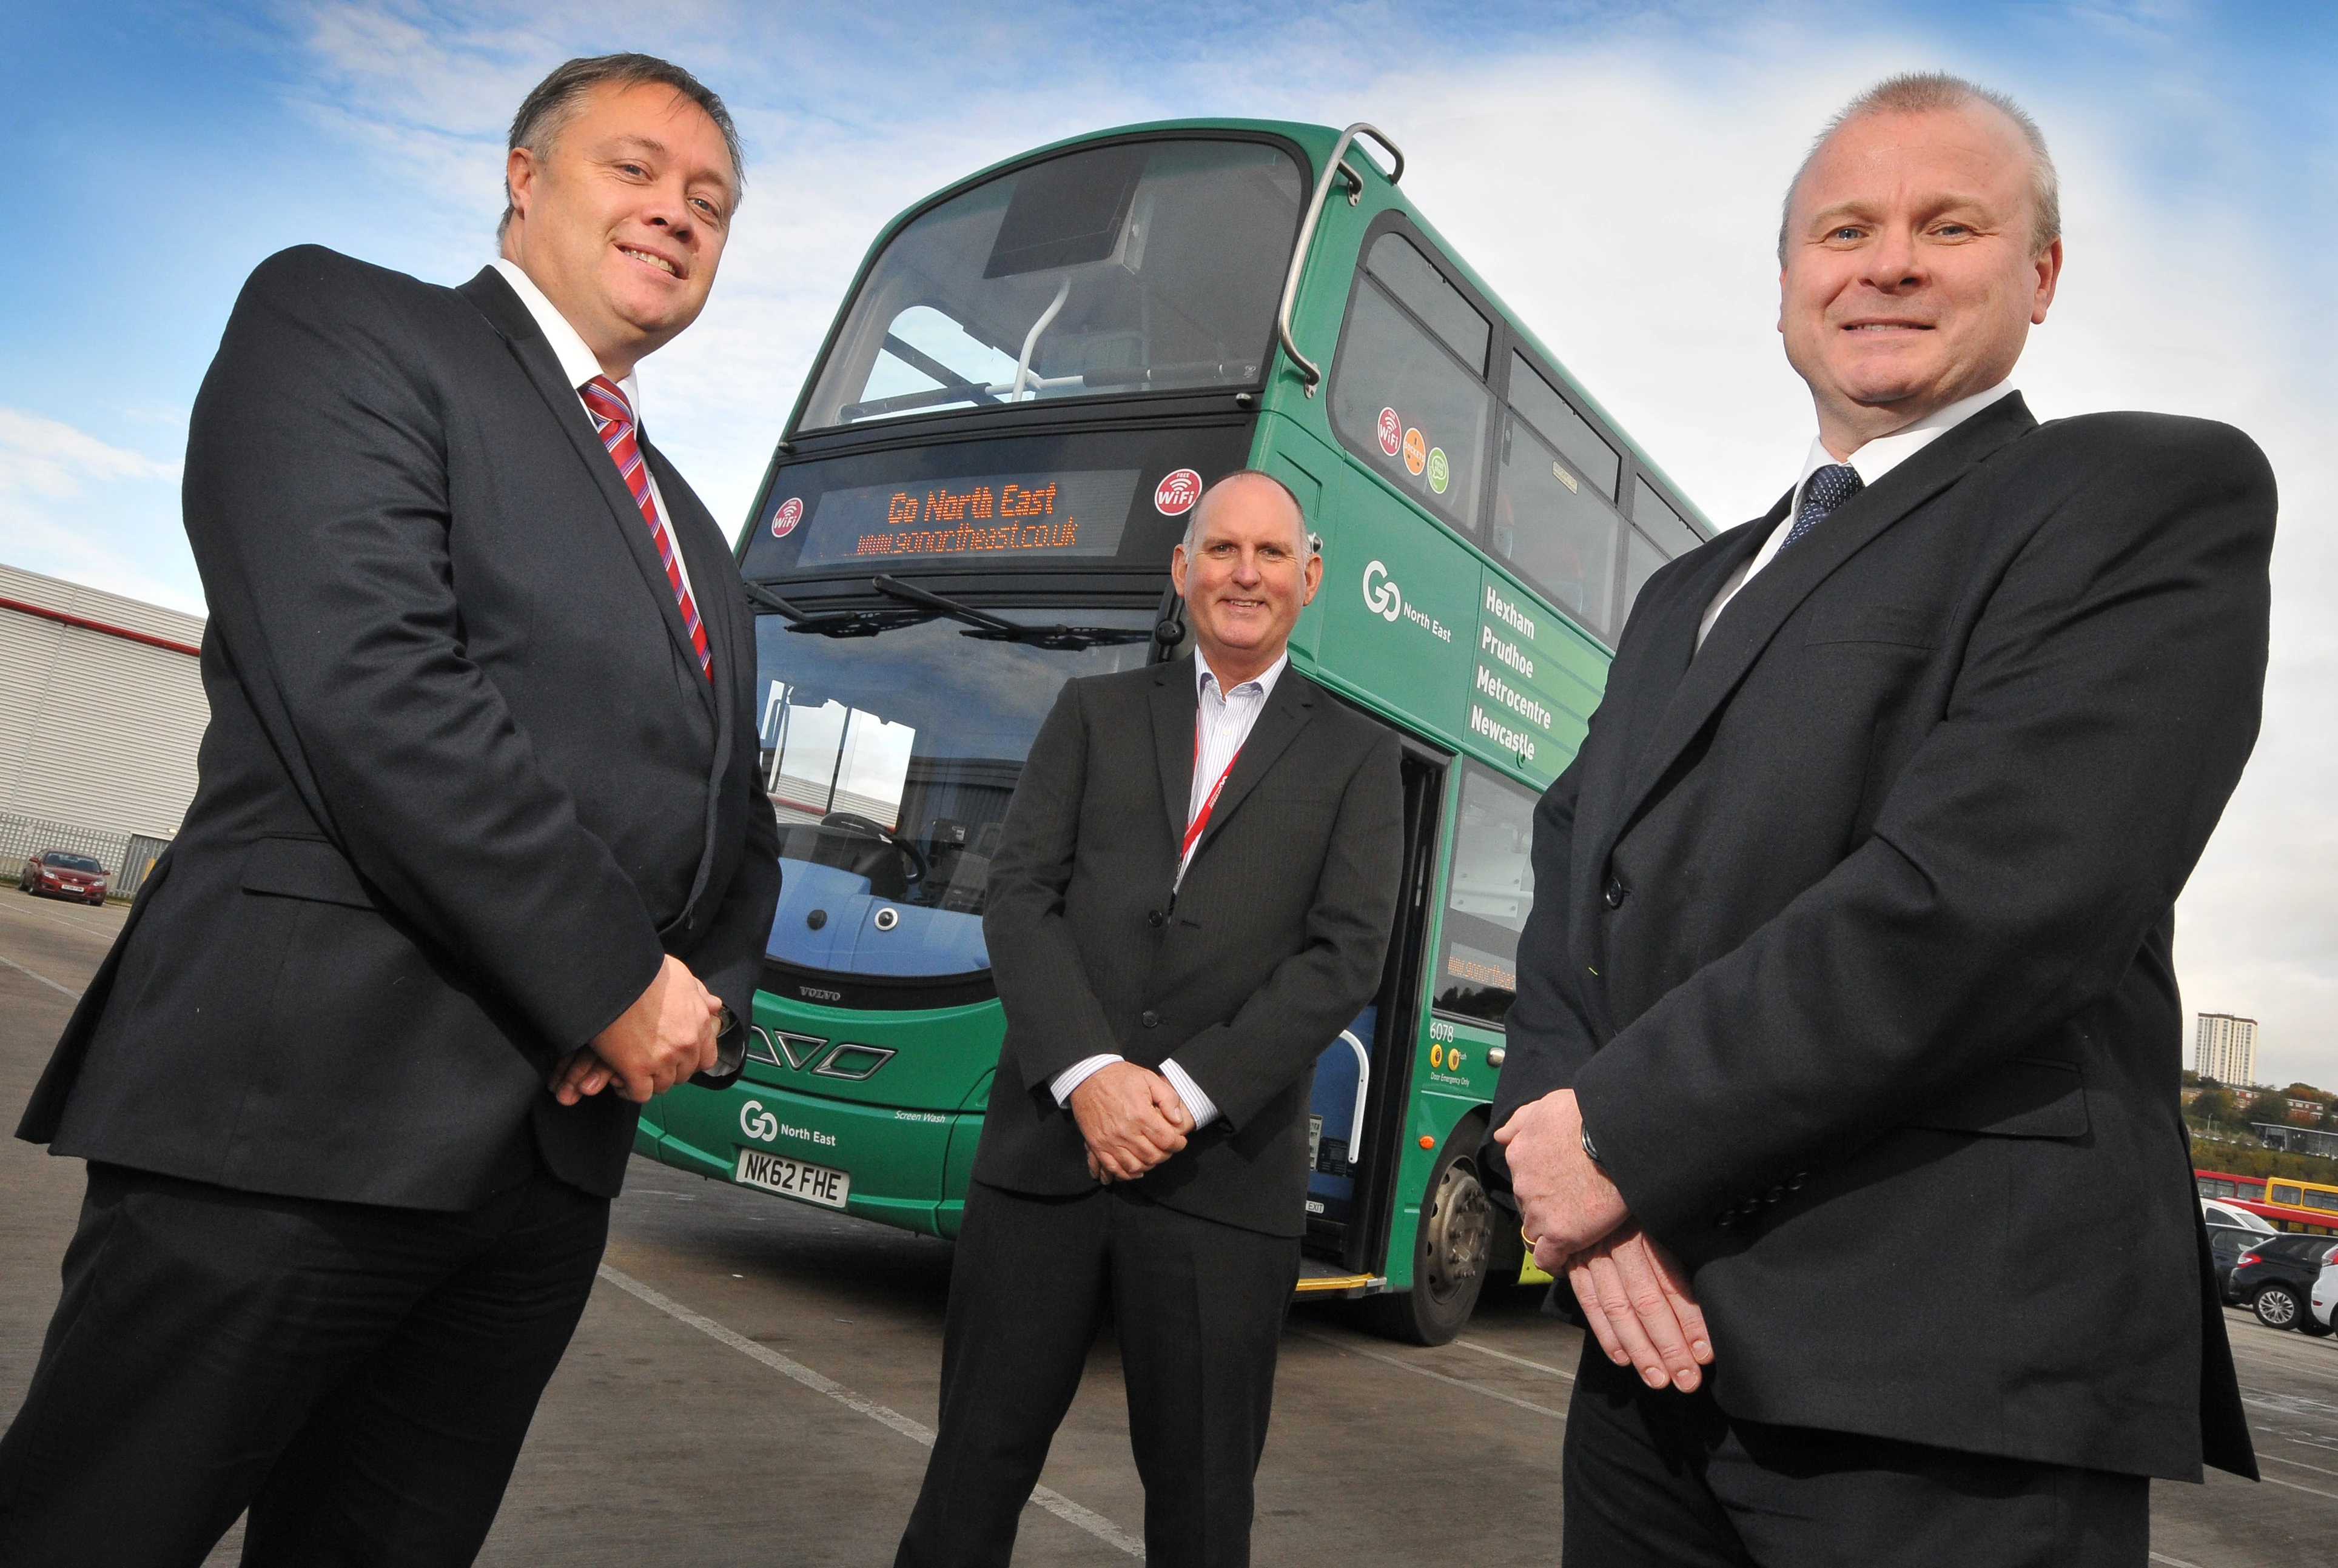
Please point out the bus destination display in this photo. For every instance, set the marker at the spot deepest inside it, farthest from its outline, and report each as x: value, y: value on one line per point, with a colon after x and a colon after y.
x: 1026, y: 516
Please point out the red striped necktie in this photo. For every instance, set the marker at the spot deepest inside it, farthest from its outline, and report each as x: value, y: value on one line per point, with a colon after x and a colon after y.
x: 614, y: 418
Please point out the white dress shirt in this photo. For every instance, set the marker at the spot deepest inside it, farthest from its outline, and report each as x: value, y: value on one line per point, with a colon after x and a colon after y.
x: 579, y: 364
x: 1223, y: 722
x: 1871, y: 462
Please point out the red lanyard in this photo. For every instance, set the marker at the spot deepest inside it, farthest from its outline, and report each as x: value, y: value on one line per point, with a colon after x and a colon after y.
x: 1209, y: 802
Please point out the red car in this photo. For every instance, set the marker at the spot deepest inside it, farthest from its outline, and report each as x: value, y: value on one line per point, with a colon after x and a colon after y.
x: 61, y: 874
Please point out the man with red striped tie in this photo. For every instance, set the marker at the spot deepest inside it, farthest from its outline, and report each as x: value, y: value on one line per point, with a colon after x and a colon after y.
x: 478, y: 861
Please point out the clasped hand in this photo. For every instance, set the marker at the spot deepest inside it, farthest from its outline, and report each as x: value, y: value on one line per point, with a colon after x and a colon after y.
x: 1631, y: 1290
x: 1132, y: 1118
x: 665, y: 1037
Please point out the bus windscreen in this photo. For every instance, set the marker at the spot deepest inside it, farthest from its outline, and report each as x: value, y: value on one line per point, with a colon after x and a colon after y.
x: 1143, y: 266
x: 1026, y: 516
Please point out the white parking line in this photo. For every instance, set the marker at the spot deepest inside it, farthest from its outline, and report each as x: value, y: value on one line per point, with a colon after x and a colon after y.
x: 43, y: 979
x: 1054, y: 1502
x: 1513, y: 1360
x: 2316, y: 1491
x: 1354, y: 1349
x: 87, y: 928
x: 2172, y: 1562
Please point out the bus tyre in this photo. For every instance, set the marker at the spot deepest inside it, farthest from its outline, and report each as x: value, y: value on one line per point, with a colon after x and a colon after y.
x: 2276, y: 1307
x: 1454, y: 1245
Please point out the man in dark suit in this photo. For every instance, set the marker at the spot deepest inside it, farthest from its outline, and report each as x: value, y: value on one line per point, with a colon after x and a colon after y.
x: 1843, y: 1074
x: 476, y: 862
x: 1193, y: 895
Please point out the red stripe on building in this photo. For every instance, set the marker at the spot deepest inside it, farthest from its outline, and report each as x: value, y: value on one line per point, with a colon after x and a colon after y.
x: 105, y: 627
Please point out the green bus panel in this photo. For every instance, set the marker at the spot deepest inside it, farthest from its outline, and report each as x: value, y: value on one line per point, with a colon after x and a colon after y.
x: 1398, y: 606
x: 894, y: 1157
x: 1534, y: 679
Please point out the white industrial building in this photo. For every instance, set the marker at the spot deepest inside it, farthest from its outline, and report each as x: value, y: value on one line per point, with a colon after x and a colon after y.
x: 2226, y: 1048
x: 101, y: 712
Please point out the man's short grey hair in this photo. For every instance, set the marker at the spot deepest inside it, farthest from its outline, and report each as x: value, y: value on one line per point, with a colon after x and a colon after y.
x: 546, y: 110
x: 1930, y: 92
x: 1310, y: 543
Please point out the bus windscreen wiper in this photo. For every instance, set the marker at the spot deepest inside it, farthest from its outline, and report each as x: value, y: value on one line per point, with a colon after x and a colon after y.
x: 831, y: 623
x: 988, y: 628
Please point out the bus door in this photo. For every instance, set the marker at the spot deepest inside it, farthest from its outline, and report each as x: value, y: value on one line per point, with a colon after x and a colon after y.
x: 1357, y: 1111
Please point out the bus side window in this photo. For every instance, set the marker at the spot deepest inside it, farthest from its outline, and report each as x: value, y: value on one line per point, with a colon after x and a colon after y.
x: 1486, y: 900
x: 1553, y: 521
x: 1404, y: 396
x: 1658, y: 534
x: 2289, y: 1195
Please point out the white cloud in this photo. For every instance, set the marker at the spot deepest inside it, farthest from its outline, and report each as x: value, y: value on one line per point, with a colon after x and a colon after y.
x: 52, y: 460
x: 38, y: 543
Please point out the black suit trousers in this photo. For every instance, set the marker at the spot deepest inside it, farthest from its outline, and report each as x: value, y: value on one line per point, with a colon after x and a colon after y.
x: 1659, y: 1479
x: 360, y: 1378
x: 1198, y: 1307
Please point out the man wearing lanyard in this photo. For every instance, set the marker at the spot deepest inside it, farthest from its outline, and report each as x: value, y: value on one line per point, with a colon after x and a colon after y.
x: 1192, y: 897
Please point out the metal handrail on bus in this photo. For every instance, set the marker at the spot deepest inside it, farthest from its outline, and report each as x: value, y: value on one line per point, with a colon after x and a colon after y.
x: 1334, y: 168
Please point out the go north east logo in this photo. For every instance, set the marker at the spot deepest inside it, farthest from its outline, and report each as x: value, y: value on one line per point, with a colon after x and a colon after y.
x: 1385, y: 599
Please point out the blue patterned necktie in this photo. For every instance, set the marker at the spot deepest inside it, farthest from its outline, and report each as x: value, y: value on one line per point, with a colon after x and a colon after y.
x: 1829, y: 489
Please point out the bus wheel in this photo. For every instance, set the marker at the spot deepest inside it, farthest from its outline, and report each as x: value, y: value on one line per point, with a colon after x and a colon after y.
x: 1454, y: 1243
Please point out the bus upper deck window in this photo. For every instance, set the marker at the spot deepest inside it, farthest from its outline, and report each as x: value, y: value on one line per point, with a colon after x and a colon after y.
x: 1657, y: 534
x: 1409, y: 276
x: 1406, y: 401
x: 1661, y: 521
x: 1551, y: 528
x: 1133, y: 267
x: 1586, y: 450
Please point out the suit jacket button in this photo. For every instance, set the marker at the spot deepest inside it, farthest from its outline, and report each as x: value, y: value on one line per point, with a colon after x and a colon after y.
x: 1151, y: 1020
x: 1725, y: 1219
x: 1616, y: 891
x: 1156, y: 918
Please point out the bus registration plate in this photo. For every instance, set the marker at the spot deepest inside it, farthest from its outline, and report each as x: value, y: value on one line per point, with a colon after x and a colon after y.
x: 792, y: 1178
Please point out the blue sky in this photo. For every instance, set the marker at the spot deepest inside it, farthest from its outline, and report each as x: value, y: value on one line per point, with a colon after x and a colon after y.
x: 1611, y: 169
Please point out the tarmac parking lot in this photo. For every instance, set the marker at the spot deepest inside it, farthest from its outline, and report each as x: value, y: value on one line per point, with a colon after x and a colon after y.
x: 754, y: 1380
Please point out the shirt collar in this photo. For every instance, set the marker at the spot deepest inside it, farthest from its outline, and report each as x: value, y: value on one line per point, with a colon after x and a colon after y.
x: 1885, y: 453
x: 1205, y: 676
x: 576, y: 362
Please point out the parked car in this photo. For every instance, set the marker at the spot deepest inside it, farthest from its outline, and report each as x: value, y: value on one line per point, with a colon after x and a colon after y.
x: 62, y: 874
x: 2326, y: 1296
x: 2276, y: 1278
x: 2231, y: 1232
x: 2226, y: 1217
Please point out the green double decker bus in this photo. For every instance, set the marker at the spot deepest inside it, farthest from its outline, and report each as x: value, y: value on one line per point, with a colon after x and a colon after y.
x: 975, y: 500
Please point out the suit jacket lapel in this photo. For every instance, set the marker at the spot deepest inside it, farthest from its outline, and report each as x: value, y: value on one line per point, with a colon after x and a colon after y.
x: 1655, y: 657
x: 1287, y: 711
x: 1659, y: 654
x: 1745, y: 628
x: 493, y: 299
x: 1174, y: 713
